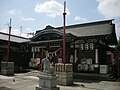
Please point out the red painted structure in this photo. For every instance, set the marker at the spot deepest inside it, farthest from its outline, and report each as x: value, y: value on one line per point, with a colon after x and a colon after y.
x: 9, y: 41
x: 64, y: 35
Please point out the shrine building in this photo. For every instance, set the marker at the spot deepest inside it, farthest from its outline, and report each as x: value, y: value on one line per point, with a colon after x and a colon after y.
x: 88, y: 46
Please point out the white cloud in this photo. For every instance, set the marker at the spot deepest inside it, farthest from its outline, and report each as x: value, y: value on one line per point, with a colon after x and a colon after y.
x: 14, y: 11
x: 27, y: 19
x: 4, y: 30
x: 109, y: 8
x: 117, y: 22
x: 80, y: 19
x: 118, y: 30
x: 28, y: 29
x: 17, y: 32
x: 28, y: 33
x: 13, y: 31
x: 51, y: 8
x: 48, y: 25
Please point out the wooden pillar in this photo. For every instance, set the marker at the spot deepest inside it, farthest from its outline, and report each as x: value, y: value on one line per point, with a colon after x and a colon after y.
x: 33, y: 52
x: 75, y: 55
x: 42, y: 53
x: 96, y: 69
x: 64, y: 35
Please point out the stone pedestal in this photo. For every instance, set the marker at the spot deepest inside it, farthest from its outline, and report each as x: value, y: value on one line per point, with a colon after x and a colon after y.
x: 47, y: 82
x: 7, y: 68
x: 65, y: 73
x: 65, y: 78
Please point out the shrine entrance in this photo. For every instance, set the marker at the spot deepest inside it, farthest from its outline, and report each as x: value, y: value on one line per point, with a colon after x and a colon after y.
x: 49, y: 43
x: 53, y: 53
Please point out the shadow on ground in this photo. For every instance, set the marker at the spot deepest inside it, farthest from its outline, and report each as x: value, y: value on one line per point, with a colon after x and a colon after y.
x: 5, y: 88
x: 87, y: 81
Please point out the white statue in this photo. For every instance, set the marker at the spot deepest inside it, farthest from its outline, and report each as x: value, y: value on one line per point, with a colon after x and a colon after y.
x: 48, y: 68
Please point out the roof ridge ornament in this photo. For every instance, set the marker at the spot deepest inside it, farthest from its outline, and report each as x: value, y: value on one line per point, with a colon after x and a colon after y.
x: 49, y: 27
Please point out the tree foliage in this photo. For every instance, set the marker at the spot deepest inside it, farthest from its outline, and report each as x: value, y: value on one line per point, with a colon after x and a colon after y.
x: 118, y: 46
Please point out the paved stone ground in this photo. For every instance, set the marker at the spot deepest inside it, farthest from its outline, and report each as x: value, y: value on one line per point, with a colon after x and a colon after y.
x: 28, y: 81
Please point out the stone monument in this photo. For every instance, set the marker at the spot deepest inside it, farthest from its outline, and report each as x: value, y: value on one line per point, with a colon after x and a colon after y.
x: 48, y: 79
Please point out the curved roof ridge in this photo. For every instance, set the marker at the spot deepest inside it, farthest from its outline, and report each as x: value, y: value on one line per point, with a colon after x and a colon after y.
x: 47, y: 31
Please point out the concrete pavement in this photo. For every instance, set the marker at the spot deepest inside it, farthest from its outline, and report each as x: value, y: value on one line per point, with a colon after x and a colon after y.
x: 28, y: 81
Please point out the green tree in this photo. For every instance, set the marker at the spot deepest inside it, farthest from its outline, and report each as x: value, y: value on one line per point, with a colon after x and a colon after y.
x: 118, y: 46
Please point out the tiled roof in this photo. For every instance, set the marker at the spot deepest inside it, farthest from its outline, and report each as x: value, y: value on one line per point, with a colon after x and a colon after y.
x: 87, y: 29
x: 90, y: 29
x: 103, y: 28
x: 13, y: 38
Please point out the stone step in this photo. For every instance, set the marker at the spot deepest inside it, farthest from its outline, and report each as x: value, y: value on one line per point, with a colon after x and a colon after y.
x: 91, y: 76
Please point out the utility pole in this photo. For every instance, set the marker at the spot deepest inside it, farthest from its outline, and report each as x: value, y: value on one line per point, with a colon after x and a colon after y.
x: 8, y: 51
x: 64, y: 34
x: 20, y: 30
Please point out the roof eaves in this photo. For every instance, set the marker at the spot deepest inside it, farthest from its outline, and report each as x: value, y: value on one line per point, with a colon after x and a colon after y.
x: 86, y: 24
x: 13, y: 35
x: 47, y: 41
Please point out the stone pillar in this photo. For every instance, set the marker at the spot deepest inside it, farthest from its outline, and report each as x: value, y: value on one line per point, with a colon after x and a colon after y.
x: 7, y: 68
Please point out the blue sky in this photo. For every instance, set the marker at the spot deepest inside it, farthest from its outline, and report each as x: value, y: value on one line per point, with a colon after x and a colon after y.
x: 34, y: 15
